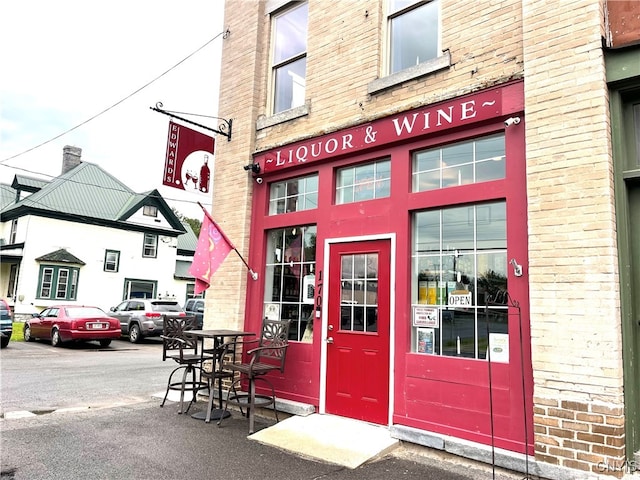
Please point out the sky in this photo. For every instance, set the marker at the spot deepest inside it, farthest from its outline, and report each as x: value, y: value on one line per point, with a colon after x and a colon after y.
x: 63, y: 62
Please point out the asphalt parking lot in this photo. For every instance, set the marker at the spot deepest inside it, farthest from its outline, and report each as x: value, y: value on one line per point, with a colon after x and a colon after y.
x: 96, y: 417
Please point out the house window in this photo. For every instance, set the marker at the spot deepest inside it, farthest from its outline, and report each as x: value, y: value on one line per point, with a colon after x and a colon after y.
x: 150, y: 211
x: 14, y: 231
x: 293, y: 195
x: 289, y: 62
x: 191, y: 288
x: 364, y: 182
x: 111, y: 260
x: 462, y: 163
x: 135, y: 288
x: 58, y: 282
x: 46, y: 279
x: 290, y: 278
x: 150, y: 247
x: 413, y: 32
x: 13, y: 276
x: 459, y: 263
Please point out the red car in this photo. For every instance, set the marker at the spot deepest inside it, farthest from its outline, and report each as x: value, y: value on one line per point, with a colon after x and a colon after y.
x: 66, y: 323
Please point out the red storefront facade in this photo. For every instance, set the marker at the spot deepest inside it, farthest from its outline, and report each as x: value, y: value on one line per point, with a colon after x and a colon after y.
x: 398, y: 248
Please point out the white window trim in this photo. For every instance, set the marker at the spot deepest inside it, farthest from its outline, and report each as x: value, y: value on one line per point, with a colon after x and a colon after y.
x: 292, y: 113
x: 155, y: 246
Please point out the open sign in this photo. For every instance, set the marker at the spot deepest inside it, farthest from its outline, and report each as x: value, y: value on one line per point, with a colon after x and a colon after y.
x: 459, y: 300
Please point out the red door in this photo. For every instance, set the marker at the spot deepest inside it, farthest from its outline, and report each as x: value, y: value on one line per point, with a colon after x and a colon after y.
x: 358, y: 331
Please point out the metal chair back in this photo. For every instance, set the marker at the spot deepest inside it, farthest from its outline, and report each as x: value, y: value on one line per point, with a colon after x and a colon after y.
x: 274, y: 340
x: 176, y: 341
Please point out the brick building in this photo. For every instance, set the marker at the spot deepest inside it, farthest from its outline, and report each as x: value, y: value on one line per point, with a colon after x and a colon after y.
x: 441, y: 196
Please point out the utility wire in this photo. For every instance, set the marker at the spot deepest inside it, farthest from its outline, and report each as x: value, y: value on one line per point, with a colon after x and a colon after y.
x: 114, y: 105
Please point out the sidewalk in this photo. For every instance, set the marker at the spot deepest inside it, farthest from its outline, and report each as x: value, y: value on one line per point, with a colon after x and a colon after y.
x: 143, y: 441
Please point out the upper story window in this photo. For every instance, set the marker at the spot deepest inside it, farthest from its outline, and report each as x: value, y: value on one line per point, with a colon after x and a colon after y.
x: 150, y: 211
x: 364, y: 182
x: 462, y: 163
x: 293, y: 195
x: 111, y: 260
x: 289, y: 64
x: 414, y: 32
x: 14, y: 231
x: 150, y: 247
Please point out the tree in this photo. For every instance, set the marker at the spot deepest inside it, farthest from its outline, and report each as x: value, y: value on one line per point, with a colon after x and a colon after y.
x: 194, y: 223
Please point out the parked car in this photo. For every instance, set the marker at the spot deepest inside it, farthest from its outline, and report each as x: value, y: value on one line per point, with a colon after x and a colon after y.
x: 6, y: 323
x: 141, y: 317
x: 195, y: 308
x: 67, y: 323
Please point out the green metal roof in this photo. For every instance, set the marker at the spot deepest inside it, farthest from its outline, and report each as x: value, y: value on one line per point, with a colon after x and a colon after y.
x: 88, y: 193
x: 7, y: 195
x: 29, y: 184
x: 60, y: 256
x: 187, y: 241
x: 86, y: 190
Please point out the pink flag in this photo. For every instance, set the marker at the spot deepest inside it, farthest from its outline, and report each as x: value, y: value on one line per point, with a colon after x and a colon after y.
x: 213, y: 247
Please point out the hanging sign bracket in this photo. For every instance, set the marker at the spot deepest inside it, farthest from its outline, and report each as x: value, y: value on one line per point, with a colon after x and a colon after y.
x: 224, y: 128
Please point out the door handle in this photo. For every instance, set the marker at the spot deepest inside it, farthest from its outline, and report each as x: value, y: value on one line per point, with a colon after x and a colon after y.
x: 329, y: 340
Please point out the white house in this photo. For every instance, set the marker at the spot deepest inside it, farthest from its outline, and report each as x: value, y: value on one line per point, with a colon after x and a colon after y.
x: 86, y: 238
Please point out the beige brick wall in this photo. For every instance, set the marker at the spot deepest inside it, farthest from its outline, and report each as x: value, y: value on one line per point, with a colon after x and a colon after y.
x: 572, y: 268
x: 575, y: 318
x: 240, y: 86
x: 346, y: 41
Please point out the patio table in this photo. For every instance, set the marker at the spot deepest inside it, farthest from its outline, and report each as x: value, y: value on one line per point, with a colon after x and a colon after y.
x: 218, y: 336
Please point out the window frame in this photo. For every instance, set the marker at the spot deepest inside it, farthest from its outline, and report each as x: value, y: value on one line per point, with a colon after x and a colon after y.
x: 152, y: 249
x: 277, y: 66
x: 116, y: 262
x: 150, y: 211
x: 375, y: 163
x: 49, y: 276
x: 14, y: 231
x: 297, y: 198
x: 389, y: 79
x: 276, y: 308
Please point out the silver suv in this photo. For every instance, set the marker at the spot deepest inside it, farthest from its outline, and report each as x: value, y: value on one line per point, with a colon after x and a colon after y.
x: 141, y: 317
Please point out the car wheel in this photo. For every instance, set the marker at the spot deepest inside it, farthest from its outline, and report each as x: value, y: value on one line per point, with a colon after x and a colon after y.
x: 134, y: 333
x: 27, y: 333
x: 4, y: 341
x: 55, y: 338
x: 105, y: 343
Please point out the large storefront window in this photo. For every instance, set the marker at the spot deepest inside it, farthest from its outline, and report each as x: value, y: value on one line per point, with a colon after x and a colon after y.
x: 462, y: 163
x: 290, y: 278
x: 460, y: 264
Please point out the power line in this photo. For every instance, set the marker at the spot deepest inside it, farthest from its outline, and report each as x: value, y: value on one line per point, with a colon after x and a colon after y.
x: 114, y: 105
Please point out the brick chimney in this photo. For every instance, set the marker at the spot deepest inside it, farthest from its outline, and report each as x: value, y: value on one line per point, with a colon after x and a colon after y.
x: 70, y: 158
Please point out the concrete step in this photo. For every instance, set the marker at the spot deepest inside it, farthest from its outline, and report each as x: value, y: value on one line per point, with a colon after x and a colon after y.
x: 337, y: 440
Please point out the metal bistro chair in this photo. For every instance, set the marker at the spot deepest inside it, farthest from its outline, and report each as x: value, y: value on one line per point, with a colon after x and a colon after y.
x: 181, y: 347
x: 268, y: 355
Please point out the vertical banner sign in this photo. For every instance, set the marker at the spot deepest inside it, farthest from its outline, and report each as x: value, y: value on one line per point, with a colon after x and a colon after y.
x: 187, y: 164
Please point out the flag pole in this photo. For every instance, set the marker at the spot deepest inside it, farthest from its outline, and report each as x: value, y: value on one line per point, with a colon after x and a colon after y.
x: 254, y: 275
